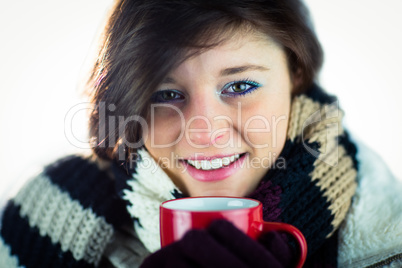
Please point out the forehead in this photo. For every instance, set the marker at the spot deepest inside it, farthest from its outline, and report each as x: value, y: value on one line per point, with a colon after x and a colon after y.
x: 253, y: 48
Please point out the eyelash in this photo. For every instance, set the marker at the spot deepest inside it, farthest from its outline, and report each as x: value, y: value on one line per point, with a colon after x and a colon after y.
x: 157, y: 96
x: 253, y: 86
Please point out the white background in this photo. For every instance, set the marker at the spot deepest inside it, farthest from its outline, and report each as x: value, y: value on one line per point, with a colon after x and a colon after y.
x: 44, y: 52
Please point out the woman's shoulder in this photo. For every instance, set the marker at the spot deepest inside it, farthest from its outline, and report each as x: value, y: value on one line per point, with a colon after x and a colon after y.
x: 84, y: 179
x: 372, y: 230
x: 65, y: 214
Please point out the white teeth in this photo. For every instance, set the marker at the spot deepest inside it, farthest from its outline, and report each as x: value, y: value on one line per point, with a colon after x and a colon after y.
x: 205, y: 165
x: 214, y: 163
x: 197, y: 164
x: 226, y: 161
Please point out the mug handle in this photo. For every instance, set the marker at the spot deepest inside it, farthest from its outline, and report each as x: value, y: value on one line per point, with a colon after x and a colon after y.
x: 264, y: 227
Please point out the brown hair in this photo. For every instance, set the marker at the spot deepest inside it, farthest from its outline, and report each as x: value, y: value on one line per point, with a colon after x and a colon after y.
x: 145, y: 39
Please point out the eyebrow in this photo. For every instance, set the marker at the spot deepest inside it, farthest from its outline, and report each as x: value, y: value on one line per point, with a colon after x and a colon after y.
x: 241, y: 69
x: 168, y: 80
x: 226, y: 72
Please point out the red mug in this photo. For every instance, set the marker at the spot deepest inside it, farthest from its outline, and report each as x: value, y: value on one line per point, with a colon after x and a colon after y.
x: 178, y: 216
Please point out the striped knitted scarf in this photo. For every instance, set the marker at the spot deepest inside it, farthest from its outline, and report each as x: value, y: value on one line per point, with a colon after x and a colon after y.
x: 313, y: 191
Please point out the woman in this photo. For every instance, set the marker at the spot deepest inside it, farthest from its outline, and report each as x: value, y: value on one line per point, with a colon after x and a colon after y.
x: 200, y: 98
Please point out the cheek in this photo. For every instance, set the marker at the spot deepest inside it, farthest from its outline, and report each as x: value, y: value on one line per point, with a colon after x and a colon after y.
x: 164, y: 128
x: 257, y: 131
x: 265, y: 124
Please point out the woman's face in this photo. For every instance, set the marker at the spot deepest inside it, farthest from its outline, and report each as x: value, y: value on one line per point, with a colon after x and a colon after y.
x: 219, y: 119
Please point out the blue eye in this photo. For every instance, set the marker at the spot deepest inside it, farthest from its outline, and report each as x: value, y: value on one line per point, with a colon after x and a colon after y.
x: 237, y: 88
x: 164, y: 96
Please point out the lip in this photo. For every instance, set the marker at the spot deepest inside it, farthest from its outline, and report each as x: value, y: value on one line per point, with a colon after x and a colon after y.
x: 215, y: 174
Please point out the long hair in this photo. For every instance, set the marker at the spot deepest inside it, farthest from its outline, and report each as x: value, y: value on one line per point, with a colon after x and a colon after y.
x: 145, y: 39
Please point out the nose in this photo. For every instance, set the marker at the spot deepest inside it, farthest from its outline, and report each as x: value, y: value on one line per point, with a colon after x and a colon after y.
x: 207, y: 123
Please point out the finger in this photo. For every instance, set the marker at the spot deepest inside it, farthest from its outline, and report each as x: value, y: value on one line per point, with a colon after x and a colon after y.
x: 279, y: 246
x: 167, y: 257
x: 204, y: 251
x: 244, y: 247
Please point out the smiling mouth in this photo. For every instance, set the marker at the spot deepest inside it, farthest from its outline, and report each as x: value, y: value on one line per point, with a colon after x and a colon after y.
x: 215, y: 163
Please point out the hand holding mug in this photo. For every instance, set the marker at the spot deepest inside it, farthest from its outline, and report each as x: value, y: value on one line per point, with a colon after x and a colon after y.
x: 213, y: 243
